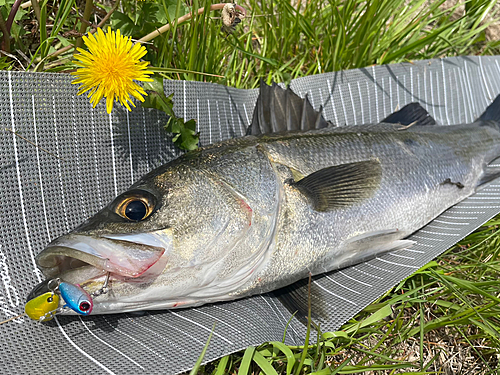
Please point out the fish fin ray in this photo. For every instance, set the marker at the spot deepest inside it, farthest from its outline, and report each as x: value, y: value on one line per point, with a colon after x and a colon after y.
x: 410, y: 114
x: 280, y: 110
x: 366, y: 246
x: 492, y: 113
x: 341, y: 185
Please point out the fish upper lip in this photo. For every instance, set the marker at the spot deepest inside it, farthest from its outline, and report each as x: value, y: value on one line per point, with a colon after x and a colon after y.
x: 56, y: 259
x: 117, y: 256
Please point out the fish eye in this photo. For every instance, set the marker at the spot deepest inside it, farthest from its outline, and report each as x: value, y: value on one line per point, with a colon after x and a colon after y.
x: 135, y: 210
x: 84, y: 306
x: 135, y: 207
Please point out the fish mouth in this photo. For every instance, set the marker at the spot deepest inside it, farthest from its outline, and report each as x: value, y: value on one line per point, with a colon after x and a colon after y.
x: 87, y: 257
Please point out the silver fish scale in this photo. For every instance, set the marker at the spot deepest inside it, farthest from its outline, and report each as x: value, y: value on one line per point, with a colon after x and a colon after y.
x: 249, y: 172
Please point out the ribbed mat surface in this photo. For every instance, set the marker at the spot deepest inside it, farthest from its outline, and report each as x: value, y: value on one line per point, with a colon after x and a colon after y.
x: 95, y: 156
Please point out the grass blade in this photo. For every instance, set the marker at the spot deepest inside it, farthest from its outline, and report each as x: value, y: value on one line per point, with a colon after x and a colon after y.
x: 197, y: 365
x: 246, y: 361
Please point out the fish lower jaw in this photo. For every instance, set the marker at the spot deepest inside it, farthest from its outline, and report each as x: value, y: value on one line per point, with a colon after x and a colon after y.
x: 154, y: 299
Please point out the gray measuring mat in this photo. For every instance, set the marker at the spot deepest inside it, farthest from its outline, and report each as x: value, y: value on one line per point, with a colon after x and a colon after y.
x: 91, y: 157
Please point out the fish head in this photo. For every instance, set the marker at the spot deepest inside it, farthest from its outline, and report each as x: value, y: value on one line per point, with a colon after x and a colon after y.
x: 163, y: 243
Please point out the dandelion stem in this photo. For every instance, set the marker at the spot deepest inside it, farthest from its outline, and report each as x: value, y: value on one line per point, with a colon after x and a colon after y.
x: 184, y: 18
x: 12, y: 14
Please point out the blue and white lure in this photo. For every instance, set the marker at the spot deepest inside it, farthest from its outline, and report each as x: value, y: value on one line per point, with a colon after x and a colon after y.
x: 76, y: 298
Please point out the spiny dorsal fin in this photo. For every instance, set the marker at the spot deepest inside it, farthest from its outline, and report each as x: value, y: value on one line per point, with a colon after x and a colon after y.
x: 341, y: 185
x: 492, y: 113
x: 279, y: 110
x: 412, y: 113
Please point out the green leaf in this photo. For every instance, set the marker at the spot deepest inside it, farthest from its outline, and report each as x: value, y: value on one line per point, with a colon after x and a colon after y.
x: 148, y: 13
x: 185, y: 139
x: 288, y: 354
x: 221, y: 367
x: 185, y: 136
x: 264, y: 364
x: 4, y: 63
x: 334, y: 335
x: 124, y: 23
x: 375, y: 317
x: 19, y: 14
x: 157, y: 99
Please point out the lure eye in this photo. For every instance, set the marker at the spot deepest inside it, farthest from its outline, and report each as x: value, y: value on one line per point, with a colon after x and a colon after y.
x: 135, y: 206
x: 84, y: 306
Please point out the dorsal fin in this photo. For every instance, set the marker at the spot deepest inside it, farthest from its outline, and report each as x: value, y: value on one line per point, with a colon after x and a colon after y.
x: 492, y: 113
x: 279, y: 110
x: 412, y: 113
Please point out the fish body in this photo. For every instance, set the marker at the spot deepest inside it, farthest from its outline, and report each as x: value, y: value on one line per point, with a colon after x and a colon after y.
x: 254, y: 214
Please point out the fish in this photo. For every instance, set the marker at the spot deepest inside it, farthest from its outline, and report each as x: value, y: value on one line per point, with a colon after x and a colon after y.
x: 296, y: 196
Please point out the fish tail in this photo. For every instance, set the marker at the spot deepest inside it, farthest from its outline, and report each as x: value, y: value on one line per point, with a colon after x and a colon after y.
x: 490, y: 118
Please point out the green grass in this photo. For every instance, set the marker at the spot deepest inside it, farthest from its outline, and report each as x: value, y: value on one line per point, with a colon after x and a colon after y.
x: 445, y: 317
x: 277, y: 41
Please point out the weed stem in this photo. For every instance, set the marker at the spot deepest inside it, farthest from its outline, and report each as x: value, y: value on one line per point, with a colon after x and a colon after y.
x: 89, y: 5
x: 184, y: 18
x: 6, y: 35
x: 101, y: 24
x: 12, y: 14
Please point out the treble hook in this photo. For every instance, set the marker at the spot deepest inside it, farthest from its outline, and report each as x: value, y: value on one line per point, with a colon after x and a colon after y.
x: 104, y: 289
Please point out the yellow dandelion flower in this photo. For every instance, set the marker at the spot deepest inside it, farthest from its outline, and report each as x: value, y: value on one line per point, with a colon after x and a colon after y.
x: 110, y: 67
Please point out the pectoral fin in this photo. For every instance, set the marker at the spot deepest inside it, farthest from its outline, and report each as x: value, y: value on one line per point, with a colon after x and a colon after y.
x: 341, y: 185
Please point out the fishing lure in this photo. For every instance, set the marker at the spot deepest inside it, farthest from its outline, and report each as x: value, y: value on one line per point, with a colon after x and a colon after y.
x: 76, y: 298
x: 41, y: 307
x: 43, y: 302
